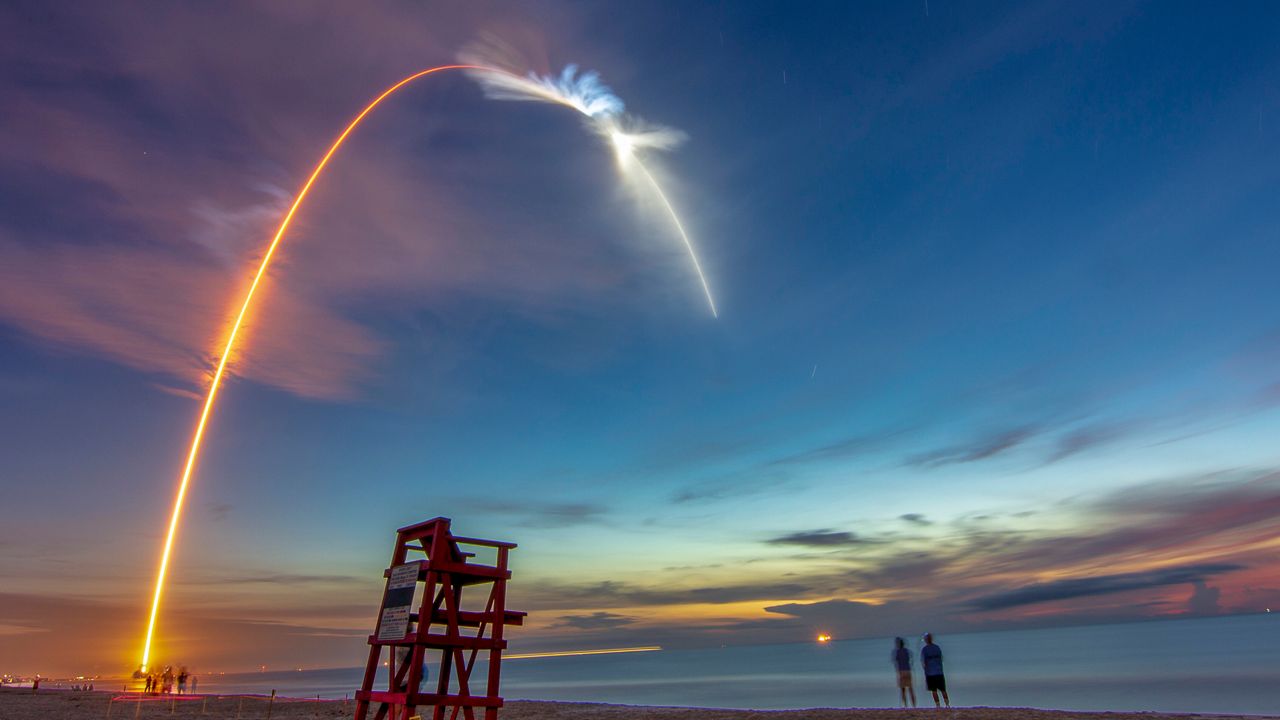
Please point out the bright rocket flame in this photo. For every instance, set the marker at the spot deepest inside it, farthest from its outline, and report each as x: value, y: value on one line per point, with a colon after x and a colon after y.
x: 588, y: 95
x: 622, y: 144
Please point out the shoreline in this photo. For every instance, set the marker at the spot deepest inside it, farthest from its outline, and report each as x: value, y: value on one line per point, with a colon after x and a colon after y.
x: 64, y: 704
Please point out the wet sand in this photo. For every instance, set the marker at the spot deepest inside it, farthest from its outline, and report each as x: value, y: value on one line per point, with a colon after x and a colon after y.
x: 22, y: 704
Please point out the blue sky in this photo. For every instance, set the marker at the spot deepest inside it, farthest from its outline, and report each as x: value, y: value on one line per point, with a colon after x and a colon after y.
x: 997, y: 320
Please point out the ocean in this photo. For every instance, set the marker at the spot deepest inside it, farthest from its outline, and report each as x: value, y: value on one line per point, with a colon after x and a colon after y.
x: 1212, y: 665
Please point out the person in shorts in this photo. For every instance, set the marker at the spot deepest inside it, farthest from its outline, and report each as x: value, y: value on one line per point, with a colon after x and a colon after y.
x: 934, y: 680
x: 901, y: 658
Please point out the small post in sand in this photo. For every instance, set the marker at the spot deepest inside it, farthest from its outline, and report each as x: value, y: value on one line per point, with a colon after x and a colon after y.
x: 238, y: 706
x: 270, y: 703
x: 203, y: 703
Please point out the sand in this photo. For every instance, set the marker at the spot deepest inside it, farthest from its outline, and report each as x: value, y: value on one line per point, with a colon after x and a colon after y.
x: 21, y: 704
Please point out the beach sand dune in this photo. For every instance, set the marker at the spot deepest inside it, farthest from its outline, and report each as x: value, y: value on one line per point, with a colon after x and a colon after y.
x: 22, y: 704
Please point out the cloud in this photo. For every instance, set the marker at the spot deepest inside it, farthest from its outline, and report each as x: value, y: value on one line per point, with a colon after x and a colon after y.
x: 742, y: 484
x: 1204, y: 599
x: 554, y: 595
x: 598, y: 620
x: 982, y: 448
x: 775, y: 474
x: 541, y: 514
x: 852, y: 615
x: 851, y: 446
x: 1100, y: 585
x: 1160, y: 520
x: 7, y: 629
x: 818, y: 538
x: 964, y: 574
x: 270, y: 578
x: 1088, y: 437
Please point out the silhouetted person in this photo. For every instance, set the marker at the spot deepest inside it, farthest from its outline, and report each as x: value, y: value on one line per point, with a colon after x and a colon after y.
x: 403, y: 654
x: 151, y: 683
x: 194, y: 680
x: 182, y: 681
x: 901, y: 658
x: 934, y: 680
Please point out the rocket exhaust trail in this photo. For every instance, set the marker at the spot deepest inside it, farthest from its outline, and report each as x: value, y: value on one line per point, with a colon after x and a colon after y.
x: 587, y: 94
x: 229, y: 346
x: 675, y: 219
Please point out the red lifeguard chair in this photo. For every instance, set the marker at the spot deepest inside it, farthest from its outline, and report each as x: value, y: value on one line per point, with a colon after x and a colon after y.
x: 441, y: 624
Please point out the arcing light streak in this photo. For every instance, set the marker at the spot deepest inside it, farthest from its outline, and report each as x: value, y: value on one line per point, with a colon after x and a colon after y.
x: 675, y: 219
x: 604, y: 110
x: 235, y: 331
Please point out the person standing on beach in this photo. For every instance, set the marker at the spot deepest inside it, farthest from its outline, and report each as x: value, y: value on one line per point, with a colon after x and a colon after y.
x: 901, y: 658
x: 195, y: 679
x: 934, y: 680
x: 182, y: 681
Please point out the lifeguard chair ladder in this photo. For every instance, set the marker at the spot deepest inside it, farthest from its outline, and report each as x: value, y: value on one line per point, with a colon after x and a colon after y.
x: 440, y: 625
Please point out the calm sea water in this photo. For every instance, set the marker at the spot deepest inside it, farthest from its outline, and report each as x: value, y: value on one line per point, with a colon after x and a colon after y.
x: 1222, y: 665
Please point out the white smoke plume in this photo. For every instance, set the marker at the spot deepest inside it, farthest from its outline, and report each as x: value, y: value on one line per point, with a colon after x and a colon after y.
x: 499, y: 73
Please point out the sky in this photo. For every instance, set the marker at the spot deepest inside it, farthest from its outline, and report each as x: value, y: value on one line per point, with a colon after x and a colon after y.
x: 997, y: 343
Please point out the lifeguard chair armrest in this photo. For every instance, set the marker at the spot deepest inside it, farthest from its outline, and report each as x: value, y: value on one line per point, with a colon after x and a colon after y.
x: 484, y: 543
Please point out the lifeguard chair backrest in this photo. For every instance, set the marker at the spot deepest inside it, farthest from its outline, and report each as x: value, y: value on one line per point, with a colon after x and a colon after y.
x: 432, y: 534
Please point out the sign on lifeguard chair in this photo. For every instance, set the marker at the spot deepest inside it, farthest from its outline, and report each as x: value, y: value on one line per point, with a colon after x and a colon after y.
x: 443, y: 624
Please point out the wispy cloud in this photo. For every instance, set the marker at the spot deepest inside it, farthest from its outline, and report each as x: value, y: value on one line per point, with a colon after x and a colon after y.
x: 610, y: 594
x: 980, y: 448
x: 1088, y: 437
x: 1101, y: 585
x: 540, y: 514
x: 1174, y: 546
x: 818, y: 538
x: 599, y: 620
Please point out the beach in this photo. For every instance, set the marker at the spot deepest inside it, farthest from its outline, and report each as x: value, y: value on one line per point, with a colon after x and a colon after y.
x: 22, y: 704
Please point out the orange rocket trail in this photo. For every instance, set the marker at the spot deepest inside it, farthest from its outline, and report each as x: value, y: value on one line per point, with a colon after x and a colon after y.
x: 227, y: 349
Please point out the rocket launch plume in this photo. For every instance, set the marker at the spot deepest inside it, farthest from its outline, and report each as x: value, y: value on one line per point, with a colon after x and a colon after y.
x: 230, y: 345
x: 587, y: 94
x: 582, y: 92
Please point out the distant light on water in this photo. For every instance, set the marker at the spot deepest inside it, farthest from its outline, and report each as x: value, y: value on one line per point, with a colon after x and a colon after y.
x: 574, y: 653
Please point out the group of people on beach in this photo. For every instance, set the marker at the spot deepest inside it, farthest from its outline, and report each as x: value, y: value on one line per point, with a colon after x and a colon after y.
x: 931, y: 660
x: 159, y: 682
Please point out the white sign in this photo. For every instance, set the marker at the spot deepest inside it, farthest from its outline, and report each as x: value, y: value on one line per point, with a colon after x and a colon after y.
x: 397, y: 602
